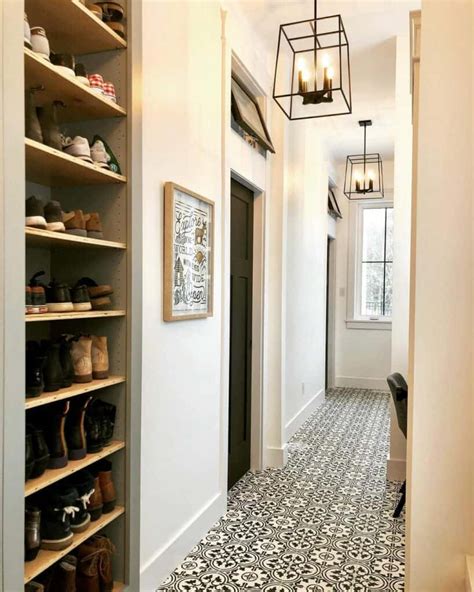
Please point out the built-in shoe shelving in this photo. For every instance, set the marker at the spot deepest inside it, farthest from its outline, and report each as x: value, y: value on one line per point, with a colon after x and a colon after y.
x: 54, y: 168
x: 73, y: 391
x: 80, y: 102
x: 36, y: 237
x: 71, y: 27
x: 47, y: 558
x: 51, y: 476
x: 73, y: 316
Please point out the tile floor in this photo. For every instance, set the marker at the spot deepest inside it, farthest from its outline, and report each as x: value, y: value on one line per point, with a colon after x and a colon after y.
x: 321, y: 524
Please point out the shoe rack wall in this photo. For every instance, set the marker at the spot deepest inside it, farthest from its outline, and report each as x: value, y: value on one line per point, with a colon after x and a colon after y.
x: 119, y: 206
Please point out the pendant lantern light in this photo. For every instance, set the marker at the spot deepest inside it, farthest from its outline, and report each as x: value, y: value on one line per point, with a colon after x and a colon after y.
x: 364, y: 172
x: 312, y: 69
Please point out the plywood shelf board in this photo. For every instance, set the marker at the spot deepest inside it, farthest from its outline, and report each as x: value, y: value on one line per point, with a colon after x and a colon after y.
x: 51, y: 476
x: 37, y: 237
x: 48, y: 166
x: 47, y: 558
x: 73, y: 391
x: 80, y: 102
x: 72, y: 316
x: 71, y: 27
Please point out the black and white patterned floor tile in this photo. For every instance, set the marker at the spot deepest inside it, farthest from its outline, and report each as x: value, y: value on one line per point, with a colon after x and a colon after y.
x: 322, y: 524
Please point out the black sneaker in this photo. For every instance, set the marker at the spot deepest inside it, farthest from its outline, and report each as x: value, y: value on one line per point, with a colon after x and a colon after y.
x: 59, y: 506
x: 58, y: 297
x: 35, y: 361
x: 54, y: 216
x: 80, y: 298
x: 34, y: 214
x: 38, y: 294
x: 83, y: 482
x: 52, y: 370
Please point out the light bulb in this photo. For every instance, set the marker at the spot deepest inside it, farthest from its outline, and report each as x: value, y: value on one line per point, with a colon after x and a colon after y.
x: 325, y: 60
x: 371, y: 175
x: 330, y: 73
x: 305, y: 75
x: 301, y: 64
x: 357, y: 177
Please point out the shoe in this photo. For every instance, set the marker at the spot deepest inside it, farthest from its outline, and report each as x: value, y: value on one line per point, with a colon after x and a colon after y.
x: 80, y: 298
x: 95, y: 9
x: 81, y: 352
x: 32, y: 124
x: 111, y: 11
x: 112, y: 162
x: 28, y: 305
x: 65, y: 358
x: 39, y: 42
x: 96, y: 503
x: 54, y: 216
x: 64, y: 575
x: 107, y: 487
x: 64, y: 63
x: 99, y: 155
x: 34, y: 365
x: 59, y: 505
x: 40, y: 451
x: 48, y: 118
x: 34, y: 587
x: 54, y: 420
x: 29, y: 456
x: 78, y: 147
x: 38, y: 294
x: 26, y: 33
x: 105, y: 413
x: 75, y: 223
x: 96, y: 82
x: 100, y: 358
x: 83, y: 482
x: 93, y: 226
x: 118, y: 28
x: 94, y: 427
x: 109, y: 91
x: 81, y: 74
x: 34, y: 213
x: 58, y: 297
x: 52, y: 369
x: 32, y: 532
x: 99, y: 294
x: 94, y: 565
x: 75, y: 431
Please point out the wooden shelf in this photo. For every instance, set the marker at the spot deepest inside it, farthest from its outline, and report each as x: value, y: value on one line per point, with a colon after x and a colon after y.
x: 79, y: 100
x: 71, y: 27
x: 118, y: 587
x: 52, y: 167
x: 36, y: 237
x: 51, y: 476
x: 47, y: 558
x: 73, y: 391
x: 72, y: 316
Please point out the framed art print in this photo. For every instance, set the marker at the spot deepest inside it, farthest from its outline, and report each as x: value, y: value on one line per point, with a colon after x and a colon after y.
x: 188, y: 254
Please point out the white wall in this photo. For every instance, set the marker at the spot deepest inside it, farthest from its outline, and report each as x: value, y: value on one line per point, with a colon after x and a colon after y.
x: 362, y: 356
x: 440, y: 472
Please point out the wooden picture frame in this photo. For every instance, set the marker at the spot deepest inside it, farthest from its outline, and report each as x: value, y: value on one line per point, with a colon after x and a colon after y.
x: 188, y: 251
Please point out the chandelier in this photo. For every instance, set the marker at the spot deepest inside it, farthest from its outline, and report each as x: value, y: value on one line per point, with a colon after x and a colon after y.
x: 364, y: 172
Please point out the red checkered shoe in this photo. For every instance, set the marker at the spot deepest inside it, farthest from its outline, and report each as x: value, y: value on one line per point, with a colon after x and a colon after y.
x: 109, y: 91
x: 96, y: 83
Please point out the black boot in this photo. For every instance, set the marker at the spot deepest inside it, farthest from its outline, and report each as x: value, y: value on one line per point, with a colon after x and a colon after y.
x: 35, y: 361
x: 40, y: 451
x: 29, y: 456
x: 75, y: 431
x: 52, y: 372
x: 83, y: 481
x: 48, y: 119
x: 94, y: 427
x: 32, y: 124
x: 54, y: 420
x: 66, y: 361
x: 32, y: 532
x: 59, y: 505
x: 107, y: 414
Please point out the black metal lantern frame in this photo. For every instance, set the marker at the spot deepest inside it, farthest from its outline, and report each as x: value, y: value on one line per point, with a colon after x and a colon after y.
x: 364, y: 173
x: 312, y: 70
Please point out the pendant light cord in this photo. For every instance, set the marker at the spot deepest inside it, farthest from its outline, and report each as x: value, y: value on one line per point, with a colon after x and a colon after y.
x: 315, y: 45
x: 365, y: 152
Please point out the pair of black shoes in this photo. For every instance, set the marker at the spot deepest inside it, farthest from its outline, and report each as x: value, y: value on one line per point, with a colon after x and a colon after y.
x: 49, y: 366
x: 60, y: 297
x: 100, y: 423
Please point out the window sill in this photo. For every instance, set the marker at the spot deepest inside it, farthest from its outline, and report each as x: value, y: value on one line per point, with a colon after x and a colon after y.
x: 368, y: 324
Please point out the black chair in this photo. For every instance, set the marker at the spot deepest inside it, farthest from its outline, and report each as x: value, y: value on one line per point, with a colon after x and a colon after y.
x: 399, y: 389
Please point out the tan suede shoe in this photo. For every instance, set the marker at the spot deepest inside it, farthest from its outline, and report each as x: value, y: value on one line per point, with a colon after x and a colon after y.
x: 93, y: 225
x: 81, y: 352
x: 100, y: 357
x: 75, y: 223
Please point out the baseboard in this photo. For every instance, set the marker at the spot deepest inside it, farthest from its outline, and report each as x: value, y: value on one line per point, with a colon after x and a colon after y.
x: 376, y: 384
x: 396, y: 469
x: 276, y: 458
x: 469, y: 573
x: 168, y: 557
x: 303, y: 414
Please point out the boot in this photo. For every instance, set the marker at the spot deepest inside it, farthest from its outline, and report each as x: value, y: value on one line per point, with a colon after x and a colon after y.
x: 54, y: 423
x: 83, y: 482
x: 100, y: 358
x: 32, y: 532
x: 32, y: 124
x: 29, y: 456
x: 48, y: 119
x: 81, y: 357
x: 107, y: 487
x: 96, y: 502
x: 35, y: 362
x: 75, y: 432
x: 40, y: 451
x: 64, y: 576
x: 94, y: 427
x: 107, y: 422
x: 94, y: 569
x: 52, y: 371
x: 57, y: 509
x: 66, y: 361
x: 34, y: 587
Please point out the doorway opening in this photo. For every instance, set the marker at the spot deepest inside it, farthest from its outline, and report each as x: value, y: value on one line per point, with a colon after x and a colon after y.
x: 330, y: 313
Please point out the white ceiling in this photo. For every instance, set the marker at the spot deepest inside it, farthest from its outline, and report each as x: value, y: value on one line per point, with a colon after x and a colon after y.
x: 371, y: 26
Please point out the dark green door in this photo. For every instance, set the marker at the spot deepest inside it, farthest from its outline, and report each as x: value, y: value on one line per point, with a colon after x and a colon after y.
x: 241, y: 255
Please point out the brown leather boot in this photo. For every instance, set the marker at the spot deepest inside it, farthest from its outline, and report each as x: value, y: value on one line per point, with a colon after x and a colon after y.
x: 95, y: 565
x: 81, y: 353
x: 32, y: 532
x: 96, y: 503
x: 93, y: 225
x: 100, y: 357
x: 107, y: 486
x: 64, y: 578
x: 75, y: 223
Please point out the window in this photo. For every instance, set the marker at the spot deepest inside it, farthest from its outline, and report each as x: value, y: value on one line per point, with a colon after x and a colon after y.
x: 247, y: 115
x: 375, y: 255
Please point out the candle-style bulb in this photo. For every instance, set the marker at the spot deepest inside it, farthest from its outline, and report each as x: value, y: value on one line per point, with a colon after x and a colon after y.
x: 325, y: 60
x: 330, y: 73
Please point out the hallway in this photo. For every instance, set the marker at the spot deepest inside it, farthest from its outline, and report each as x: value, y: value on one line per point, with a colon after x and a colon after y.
x: 321, y: 524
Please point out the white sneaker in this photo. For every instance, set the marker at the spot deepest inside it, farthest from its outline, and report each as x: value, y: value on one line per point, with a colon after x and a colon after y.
x: 99, y: 155
x: 78, y: 147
